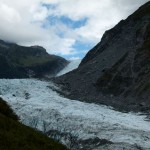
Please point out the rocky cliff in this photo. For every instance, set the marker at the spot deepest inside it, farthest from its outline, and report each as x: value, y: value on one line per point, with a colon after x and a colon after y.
x: 23, y: 62
x: 116, y: 72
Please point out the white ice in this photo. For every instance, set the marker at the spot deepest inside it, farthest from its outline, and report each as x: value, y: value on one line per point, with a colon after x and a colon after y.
x: 36, y: 104
x: 71, y: 66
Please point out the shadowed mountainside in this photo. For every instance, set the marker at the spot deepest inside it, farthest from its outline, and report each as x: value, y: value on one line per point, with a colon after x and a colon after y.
x: 23, y: 62
x: 116, y: 72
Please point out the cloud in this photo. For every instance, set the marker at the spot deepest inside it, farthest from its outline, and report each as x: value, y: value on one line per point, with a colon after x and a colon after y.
x: 101, y: 14
x: 74, y: 58
x: 61, y: 26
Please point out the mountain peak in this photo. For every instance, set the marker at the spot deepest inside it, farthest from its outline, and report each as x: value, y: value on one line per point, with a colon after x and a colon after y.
x: 116, y: 71
x: 24, y: 62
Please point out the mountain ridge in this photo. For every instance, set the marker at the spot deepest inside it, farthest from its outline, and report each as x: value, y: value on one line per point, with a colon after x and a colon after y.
x: 116, y: 71
x: 24, y: 62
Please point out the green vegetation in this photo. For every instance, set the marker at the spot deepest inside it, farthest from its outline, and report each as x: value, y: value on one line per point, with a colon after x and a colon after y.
x: 143, y: 88
x: 6, y: 111
x: 24, y: 62
x: 146, y: 44
x: 16, y: 136
x: 146, y: 87
x: 33, y: 61
x: 30, y: 61
x: 109, y: 74
x: 113, y: 83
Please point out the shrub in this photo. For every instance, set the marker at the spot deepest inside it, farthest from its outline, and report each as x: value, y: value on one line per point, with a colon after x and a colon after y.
x: 16, y: 136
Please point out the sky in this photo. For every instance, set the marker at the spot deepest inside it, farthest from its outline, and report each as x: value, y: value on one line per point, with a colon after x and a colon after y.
x: 69, y: 28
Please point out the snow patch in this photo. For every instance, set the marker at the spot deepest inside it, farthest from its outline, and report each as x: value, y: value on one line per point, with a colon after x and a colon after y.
x: 71, y: 66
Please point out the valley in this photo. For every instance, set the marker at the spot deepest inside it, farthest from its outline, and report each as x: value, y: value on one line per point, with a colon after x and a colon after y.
x: 38, y: 106
x: 101, y: 102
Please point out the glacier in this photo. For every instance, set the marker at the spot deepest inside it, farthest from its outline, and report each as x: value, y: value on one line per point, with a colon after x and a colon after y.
x: 37, y: 104
x: 40, y: 107
x: 71, y: 66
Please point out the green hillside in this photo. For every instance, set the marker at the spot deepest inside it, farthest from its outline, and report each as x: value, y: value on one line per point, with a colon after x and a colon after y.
x: 16, y: 136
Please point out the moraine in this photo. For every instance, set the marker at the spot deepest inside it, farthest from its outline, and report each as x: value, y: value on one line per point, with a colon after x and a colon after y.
x: 37, y: 104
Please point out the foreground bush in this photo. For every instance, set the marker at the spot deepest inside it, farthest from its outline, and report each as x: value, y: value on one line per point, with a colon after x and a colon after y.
x: 16, y: 136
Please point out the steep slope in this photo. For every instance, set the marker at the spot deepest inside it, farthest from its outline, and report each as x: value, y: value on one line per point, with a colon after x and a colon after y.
x: 23, y: 62
x: 116, y: 71
x: 79, y: 125
x: 71, y: 66
x: 14, y: 135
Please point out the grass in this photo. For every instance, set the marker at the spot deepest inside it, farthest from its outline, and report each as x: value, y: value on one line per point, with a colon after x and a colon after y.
x: 16, y: 136
x: 6, y: 111
x: 32, y: 60
x: 146, y: 44
x: 110, y: 74
x: 146, y: 87
x: 28, y: 56
x: 143, y: 88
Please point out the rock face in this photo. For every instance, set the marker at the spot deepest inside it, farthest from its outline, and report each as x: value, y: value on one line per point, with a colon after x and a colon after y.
x: 23, y: 62
x: 116, y: 72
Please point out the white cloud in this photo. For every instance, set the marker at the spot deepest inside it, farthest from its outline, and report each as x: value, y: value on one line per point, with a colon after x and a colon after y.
x: 22, y: 21
x: 10, y: 12
x: 74, y: 58
x: 101, y: 14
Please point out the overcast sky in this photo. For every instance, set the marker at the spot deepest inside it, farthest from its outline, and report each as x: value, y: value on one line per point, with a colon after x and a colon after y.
x: 64, y: 27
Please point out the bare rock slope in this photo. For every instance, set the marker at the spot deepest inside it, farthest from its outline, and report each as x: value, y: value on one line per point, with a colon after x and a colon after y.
x: 116, y: 72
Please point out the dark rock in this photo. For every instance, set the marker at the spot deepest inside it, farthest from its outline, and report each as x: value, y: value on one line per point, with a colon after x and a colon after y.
x: 92, y: 143
x: 24, y: 62
x: 121, y: 75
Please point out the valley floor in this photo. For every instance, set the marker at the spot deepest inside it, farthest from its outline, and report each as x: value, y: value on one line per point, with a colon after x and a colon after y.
x: 40, y: 107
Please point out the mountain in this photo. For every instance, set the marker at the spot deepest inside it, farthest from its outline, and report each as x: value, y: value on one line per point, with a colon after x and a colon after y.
x: 24, y: 62
x: 116, y: 72
x: 78, y: 125
x: 71, y: 66
x: 14, y: 135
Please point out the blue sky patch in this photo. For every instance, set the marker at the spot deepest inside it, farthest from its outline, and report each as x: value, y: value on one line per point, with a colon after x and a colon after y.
x: 53, y: 20
x: 73, y: 24
x: 81, y: 50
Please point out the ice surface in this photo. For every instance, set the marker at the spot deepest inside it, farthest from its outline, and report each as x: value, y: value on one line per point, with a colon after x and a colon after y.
x: 71, y: 66
x: 37, y: 105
